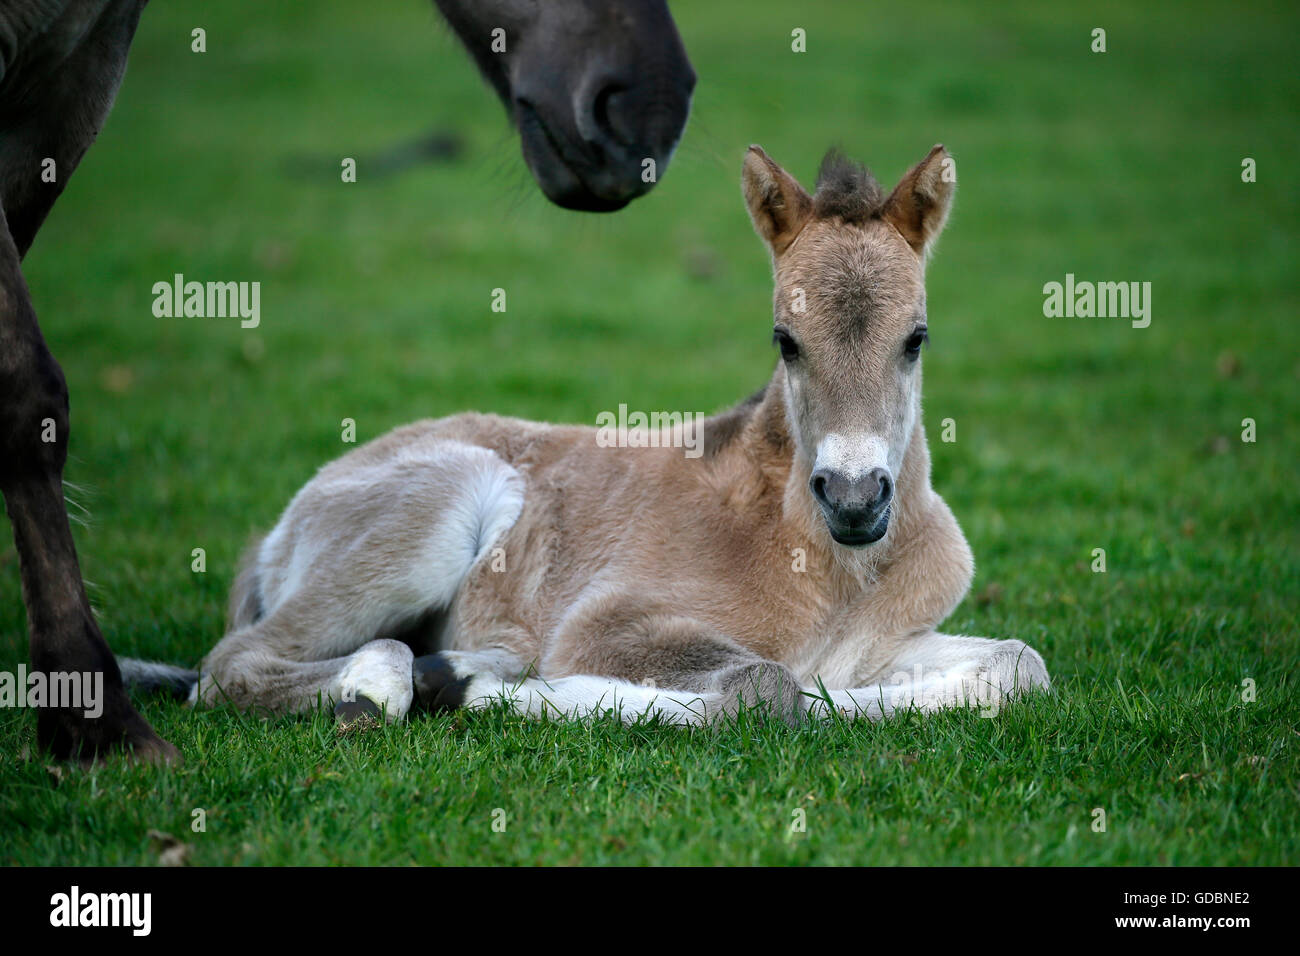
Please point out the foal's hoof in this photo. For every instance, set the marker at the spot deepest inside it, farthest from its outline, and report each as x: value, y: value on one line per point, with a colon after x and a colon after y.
x: 355, y: 714
x: 437, y: 687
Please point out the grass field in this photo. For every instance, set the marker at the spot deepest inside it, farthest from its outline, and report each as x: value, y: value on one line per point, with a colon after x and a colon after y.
x: 1072, y: 434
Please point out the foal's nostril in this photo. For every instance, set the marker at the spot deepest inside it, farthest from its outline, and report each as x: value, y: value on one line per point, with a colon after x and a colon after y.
x: 886, y: 485
x: 878, y: 488
x: 853, y: 498
x: 819, y: 488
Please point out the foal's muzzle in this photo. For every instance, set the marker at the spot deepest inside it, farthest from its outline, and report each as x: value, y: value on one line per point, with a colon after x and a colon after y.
x: 856, y: 508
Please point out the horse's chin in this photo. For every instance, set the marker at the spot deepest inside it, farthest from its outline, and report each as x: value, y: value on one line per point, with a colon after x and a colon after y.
x: 580, y: 199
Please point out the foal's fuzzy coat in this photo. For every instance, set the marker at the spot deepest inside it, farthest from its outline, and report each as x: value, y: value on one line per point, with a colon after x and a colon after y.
x: 803, y: 562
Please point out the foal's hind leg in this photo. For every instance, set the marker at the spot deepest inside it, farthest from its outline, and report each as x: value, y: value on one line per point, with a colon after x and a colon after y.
x: 372, y: 544
x: 323, y: 642
x: 273, y: 665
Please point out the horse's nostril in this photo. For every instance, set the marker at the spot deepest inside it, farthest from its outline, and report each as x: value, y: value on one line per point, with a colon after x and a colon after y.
x: 608, y: 125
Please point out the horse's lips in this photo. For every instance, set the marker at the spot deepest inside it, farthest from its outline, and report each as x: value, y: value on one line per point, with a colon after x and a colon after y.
x: 555, y: 170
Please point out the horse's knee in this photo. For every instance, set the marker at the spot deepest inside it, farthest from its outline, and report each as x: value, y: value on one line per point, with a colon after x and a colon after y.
x: 34, y: 412
x: 764, y: 686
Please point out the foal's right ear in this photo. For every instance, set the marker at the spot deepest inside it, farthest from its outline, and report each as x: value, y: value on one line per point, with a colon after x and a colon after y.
x: 777, y: 203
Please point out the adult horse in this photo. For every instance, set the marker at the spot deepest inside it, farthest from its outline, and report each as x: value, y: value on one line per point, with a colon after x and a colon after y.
x: 595, y: 87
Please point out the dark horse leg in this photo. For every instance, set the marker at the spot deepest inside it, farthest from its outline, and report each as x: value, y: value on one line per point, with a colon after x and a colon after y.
x: 56, y: 92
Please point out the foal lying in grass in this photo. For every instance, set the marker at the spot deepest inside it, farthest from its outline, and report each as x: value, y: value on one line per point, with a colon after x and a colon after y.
x: 801, y: 563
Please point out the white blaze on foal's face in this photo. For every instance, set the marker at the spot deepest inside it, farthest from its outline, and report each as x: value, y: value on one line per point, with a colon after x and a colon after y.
x: 850, y: 321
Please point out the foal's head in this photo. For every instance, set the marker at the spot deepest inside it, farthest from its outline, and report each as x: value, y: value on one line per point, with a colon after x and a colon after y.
x: 850, y: 322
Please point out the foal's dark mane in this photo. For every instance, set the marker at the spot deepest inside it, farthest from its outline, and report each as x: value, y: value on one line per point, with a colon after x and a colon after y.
x: 846, y: 190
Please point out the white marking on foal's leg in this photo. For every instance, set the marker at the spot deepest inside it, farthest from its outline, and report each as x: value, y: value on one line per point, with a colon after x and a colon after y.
x: 584, y: 696
x: 381, y: 671
x: 486, y: 662
x: 947, y: 670
x: 879, y: 701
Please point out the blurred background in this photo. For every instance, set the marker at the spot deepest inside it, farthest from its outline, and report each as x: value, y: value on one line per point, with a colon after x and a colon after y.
x: 1072, y: 434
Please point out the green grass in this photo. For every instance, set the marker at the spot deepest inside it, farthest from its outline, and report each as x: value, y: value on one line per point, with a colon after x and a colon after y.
x: 1071, y: 434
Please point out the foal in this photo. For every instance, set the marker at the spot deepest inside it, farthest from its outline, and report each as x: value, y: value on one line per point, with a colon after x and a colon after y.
x: 801, y: 563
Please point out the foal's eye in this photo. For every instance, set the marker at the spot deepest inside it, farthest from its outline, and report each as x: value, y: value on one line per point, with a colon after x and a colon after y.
x: 914, y: 343
x: 789, y: 348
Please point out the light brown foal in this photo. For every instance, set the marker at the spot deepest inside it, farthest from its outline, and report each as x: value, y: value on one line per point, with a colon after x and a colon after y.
x: 801, y: 563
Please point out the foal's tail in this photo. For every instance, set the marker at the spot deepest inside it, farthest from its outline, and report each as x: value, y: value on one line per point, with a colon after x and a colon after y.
x: 153, y: 677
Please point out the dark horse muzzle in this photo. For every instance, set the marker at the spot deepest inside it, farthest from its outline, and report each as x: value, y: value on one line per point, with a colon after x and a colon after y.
x: 599, y: 127
x: 599, y: 89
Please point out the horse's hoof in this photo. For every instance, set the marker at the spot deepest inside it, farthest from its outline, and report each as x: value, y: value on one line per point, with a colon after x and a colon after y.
x: 118, y: 734
x: 154, y: 750
x: 358, y: 713
x: 437, y: 688
x: 138, y: 748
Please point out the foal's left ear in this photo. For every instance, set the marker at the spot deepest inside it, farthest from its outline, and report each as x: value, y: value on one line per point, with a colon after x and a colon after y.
x: 918, y: 206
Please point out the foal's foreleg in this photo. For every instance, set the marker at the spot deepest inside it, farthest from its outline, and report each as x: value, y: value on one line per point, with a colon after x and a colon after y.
x: 935, y: 671
x: 697, y: 667
x: 583, y: 696
x: 636, y: 661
